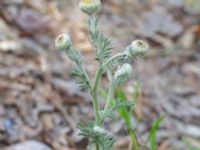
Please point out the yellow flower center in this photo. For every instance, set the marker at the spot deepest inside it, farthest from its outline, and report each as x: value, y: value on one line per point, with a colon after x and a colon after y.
x: 86, y: 1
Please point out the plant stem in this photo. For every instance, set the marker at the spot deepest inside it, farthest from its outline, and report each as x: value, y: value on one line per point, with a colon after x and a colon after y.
x: 132, y: 136
x: 86, y: 75
x: 97, y: 146
x: 112, y: 58
x: 109, y: 97
x: 134, y: 140
x: 95, y: 96
x: 94, y: 89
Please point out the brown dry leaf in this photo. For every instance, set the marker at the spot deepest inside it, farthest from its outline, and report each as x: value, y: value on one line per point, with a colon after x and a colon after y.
x: 84, y: 47
x: 196, y: 29
x: 187, y: 39
x: 165, y: 145
x: 47, y: 121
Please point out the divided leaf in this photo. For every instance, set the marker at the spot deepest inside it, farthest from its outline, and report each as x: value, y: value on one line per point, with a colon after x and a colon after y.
x: 79, y: 72
x: 97, y: 136
x: 99, y: 41
x: 75, y: 56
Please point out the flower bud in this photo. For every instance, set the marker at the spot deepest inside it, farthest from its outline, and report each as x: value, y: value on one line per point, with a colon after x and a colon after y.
x: 122, y: 73
x: 99, y: 129
x: 90, y: 6
x: 63, y: 42
x: 138, y: 47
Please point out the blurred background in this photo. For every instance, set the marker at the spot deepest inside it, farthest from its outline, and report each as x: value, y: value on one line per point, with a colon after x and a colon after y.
x: 40, y: 104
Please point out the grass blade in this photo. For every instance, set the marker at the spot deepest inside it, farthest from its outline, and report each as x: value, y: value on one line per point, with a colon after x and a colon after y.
x: 152, y: 134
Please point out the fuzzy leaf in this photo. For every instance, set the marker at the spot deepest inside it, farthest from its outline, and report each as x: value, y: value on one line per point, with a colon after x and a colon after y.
x: 95, y: 136
x: 99, y: 41
x: 79, y: 73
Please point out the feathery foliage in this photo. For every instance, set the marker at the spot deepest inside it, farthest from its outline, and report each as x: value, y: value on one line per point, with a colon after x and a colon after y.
x: 99, y: 41
x: 97, y: 135
x: 107, y: 63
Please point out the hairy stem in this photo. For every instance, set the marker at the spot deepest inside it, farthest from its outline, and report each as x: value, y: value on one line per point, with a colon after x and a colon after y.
x: 94, y: 94
x: 94, y: 89
x: 95, y: 98
x: 118, y: 55
x: 109, y: 97
x: 86, y: 75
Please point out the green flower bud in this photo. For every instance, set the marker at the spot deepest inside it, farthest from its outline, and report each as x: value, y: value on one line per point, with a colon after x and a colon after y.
x: 90, y: 6
x: 63, y: 42
x: 122, y: 73
x: 138, y: 47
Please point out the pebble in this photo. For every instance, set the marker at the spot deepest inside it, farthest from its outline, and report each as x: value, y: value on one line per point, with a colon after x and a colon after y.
x: 29, y: 145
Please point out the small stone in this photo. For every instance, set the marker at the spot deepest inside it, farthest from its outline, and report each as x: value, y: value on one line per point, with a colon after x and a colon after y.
x: 29, y: 145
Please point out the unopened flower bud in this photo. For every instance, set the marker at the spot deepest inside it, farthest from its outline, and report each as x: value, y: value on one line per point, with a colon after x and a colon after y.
x: 90, y: 6
x: 138, y: 47
x: 122, y: 73
x: 63, y: 42
x: 99, y: 129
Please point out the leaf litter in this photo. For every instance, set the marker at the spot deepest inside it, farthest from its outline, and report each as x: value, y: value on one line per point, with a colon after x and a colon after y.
x: 41, y: 104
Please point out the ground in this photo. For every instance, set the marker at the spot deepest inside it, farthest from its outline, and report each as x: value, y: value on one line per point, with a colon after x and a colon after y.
x: 39, y: 101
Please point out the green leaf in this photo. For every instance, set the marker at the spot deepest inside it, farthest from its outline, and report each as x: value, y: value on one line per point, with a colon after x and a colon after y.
x: 107, y: 114
x: 78, y: 72
x: 117, y: 104
x: 99, y: 41
x: 96, y: 135
x: 126, y: 114
x: 75, y: 56
x: 133, y: 138
x: 152, y: 133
